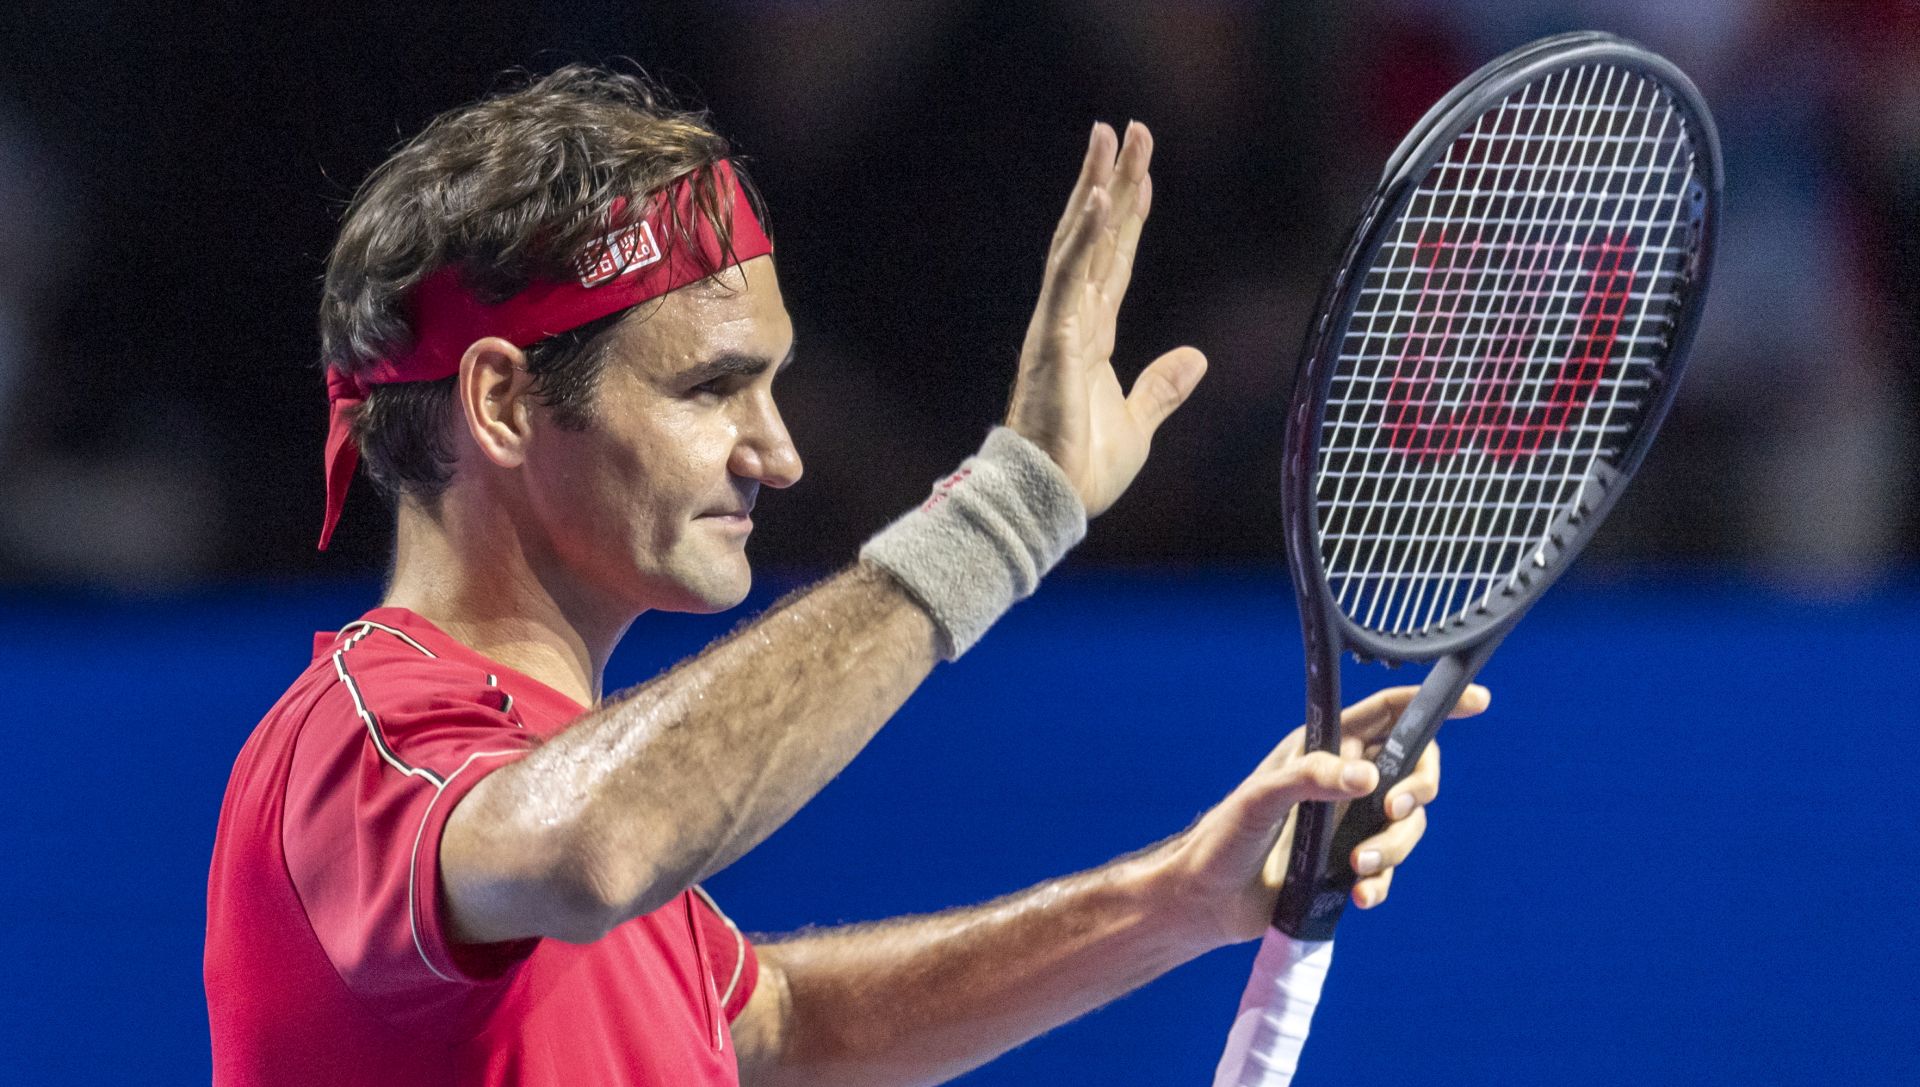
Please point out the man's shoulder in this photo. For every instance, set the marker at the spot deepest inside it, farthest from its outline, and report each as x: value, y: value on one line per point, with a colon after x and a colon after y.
x: 370, y: 672
x: 371, y: 685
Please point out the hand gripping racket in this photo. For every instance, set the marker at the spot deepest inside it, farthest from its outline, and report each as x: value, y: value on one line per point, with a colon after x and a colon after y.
x: 1484, y: 374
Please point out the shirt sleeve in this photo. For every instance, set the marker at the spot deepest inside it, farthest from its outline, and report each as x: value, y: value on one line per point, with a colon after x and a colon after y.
x: 730, y: 956
x: 385, y: 758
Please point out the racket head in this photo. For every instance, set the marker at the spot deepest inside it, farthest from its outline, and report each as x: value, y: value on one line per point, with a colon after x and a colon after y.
x: 1570, y: 125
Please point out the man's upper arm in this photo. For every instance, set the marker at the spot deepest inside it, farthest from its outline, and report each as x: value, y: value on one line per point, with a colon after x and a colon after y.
x: 496, y: 883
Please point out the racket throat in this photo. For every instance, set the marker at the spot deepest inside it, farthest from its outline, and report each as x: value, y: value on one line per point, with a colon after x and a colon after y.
x: 1415, y: 729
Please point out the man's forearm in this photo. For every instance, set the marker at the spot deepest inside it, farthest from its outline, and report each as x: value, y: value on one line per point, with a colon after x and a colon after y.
x: 667, y: 783
x: 921, y: 1000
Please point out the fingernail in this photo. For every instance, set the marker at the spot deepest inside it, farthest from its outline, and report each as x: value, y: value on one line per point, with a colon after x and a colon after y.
x: 1400, y: 806
x: 1354, y: 776
x: 1369, y: 862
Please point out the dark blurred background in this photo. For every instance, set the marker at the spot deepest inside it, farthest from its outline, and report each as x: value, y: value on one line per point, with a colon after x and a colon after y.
x: 171, y: 178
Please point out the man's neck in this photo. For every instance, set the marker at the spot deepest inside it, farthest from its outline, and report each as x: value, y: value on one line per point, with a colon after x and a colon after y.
x: 479, y: 584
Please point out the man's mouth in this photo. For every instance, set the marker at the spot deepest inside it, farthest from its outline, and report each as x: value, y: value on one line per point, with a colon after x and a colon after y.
x: 738, y: 516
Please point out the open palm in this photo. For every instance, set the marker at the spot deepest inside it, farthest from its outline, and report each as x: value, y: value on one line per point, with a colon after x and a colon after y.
x: 1067, y: 398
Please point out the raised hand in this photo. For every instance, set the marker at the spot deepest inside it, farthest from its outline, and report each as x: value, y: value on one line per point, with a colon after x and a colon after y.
x: 1067, y: 399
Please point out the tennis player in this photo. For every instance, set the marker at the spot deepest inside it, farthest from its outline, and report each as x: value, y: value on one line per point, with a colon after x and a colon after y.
x: 552, y: 329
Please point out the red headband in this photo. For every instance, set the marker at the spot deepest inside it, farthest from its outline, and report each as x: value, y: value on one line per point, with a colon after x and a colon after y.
x: 621, y: 269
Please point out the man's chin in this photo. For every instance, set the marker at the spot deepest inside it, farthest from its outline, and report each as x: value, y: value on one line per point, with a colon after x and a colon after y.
x: 710, y: 591
x: 711, y: 604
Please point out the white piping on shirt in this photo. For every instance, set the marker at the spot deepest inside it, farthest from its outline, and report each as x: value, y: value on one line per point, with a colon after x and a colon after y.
x: 392, y: 759
x: 739, y: 946
x: 373, y: 723
x: 367, y: 626
x: 506, y: 698
x: 413, y: 911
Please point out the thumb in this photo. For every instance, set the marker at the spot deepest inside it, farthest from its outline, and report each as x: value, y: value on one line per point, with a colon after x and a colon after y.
x: 1165, y: 385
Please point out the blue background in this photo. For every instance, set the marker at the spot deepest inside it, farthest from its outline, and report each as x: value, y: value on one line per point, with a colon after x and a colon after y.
x: 1680, y: 847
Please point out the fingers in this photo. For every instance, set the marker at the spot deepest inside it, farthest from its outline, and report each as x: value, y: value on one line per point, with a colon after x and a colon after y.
x: 1120, y: 274
x: 1390, y: 847
x: 1096, y: 167
x: 1372, y: 717
x: 1163, y: 386
x: 1473, y: 702
x: 1081, y: 228
x: 1420, y: 788
x: 1288, y: 748
x: 1123, y: 177
x: 1132, y: 189
x: 1374, y: 859
x: 1369, y: 893
x: 1271, y: 792
x: 1068, y: 264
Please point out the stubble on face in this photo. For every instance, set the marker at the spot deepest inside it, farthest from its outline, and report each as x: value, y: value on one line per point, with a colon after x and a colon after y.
x: 650, y: 504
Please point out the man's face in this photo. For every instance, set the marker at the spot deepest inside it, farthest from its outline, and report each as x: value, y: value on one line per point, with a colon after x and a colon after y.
x: 650, y: 504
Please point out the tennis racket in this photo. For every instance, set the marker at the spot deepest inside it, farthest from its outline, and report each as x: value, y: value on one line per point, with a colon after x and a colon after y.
x: 1484, y: 374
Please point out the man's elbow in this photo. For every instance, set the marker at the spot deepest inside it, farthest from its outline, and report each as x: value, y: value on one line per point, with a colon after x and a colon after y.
x: 507, y: 878
x: 588, y: 894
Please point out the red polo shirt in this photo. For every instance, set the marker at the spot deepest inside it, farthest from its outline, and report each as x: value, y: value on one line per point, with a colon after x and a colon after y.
x: 328, y: 959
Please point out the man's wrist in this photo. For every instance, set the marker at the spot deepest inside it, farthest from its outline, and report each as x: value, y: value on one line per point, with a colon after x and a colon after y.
x: 984, y: 539
x: 1155, y: 880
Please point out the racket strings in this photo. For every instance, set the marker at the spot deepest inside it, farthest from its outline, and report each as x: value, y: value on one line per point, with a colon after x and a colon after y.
x: 1502, y: 345
x: 1501, y: 434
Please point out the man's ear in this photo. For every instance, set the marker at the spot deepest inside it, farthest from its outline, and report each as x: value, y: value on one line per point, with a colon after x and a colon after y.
x: 495, y: 395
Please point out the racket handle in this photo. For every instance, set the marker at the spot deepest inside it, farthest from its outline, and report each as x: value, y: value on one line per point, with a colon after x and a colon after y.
x: 1310, y: 910
x: 1270, y: 1029
x: 1329, y: 897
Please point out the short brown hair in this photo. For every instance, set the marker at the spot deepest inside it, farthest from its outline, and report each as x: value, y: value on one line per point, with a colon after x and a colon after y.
x: 509, y: 190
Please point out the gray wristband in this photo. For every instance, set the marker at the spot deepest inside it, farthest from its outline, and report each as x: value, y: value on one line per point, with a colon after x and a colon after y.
x: 985, y: 538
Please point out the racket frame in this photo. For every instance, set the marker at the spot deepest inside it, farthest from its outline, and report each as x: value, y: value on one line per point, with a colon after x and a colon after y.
x: 1318, y: 878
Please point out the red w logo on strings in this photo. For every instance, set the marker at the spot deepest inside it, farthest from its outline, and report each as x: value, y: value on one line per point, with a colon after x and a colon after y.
x: 1441, y: 400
